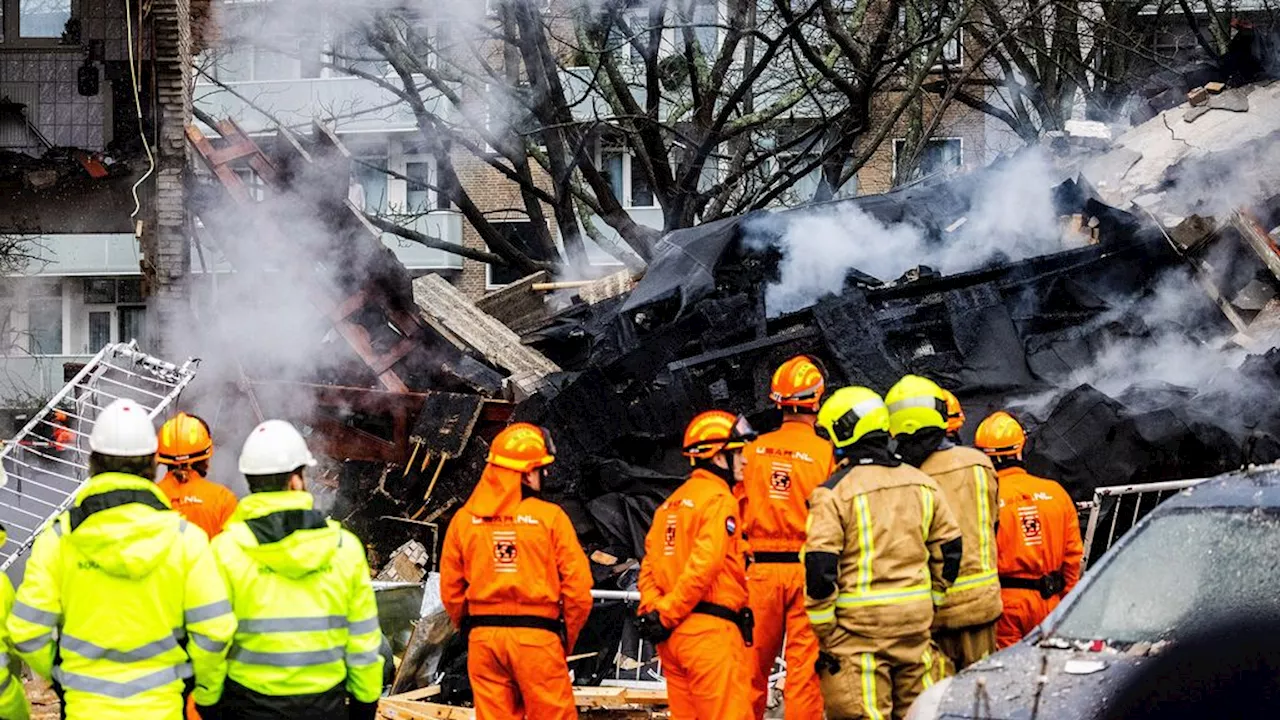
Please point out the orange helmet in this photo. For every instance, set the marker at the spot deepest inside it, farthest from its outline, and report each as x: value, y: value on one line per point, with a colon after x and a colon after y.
x: 714, y: 432
x: 522, y: 447
x: 798, y: 384
x: 59, y: 416
x: 955, y: 413
x: 184, y: 439
x: 1000, y: 436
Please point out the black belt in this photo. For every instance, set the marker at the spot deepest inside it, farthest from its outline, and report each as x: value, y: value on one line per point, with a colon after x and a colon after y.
x: 514, y: 621
x: 775, y: 557
x: 743, y: 619
x: 1047, y: 585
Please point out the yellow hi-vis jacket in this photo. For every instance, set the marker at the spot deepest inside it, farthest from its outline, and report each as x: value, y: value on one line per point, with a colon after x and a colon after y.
x: 970, y: 486
x: 302, y: 593
x: 13, y: 701
x: 122, y: 603
x: 886, y: 533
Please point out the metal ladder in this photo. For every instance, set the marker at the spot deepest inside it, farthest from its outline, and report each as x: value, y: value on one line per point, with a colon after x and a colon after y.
x: 46, y: 471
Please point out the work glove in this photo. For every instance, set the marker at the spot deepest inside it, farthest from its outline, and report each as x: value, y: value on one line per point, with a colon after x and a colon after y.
x: 649, y: 627
x: 363, y: 711
x: 209, y: 712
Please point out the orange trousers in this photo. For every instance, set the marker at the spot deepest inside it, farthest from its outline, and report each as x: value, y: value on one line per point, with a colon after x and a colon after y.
x: 777, y: 599
x: 519, y: 673
x: 1023, y: 610
x: 704, y: 662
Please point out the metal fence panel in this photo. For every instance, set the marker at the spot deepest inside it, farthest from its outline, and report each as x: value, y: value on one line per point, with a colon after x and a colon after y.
x: 1125, y: 505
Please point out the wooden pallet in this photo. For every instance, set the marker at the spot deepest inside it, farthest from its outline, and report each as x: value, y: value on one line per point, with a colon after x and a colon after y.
x: 601, y: 702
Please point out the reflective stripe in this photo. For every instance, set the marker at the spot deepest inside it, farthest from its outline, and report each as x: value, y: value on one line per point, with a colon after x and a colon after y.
x: 938, y: 598
x: 964, y: 582
x: 287, y: 659
x: 124, y: 690
x: 926, y: 500
x: 915, y: 402
x: 207, y: 643
x: 362, y: 627
x: 869, y: 703
x: 363, y: 658
x: 884, y: 597
x: 35, y: 615
x: 89, y: 650
x: 865, y: 544
x: 866, y: 407
x: 927, y: 659
x: 293, y: 624
x: 822, y: 617
x: 207, y: 612
x: 34, y: 644
x: 984, y: 519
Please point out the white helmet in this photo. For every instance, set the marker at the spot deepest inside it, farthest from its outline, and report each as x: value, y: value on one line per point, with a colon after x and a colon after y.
x: 123, y: 429
x: 274, y: 447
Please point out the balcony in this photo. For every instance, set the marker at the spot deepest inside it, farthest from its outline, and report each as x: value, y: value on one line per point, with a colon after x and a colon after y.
x: 83, y: 254
x: 25, y: 379
x: 647, y: 216
x: 348, y: 104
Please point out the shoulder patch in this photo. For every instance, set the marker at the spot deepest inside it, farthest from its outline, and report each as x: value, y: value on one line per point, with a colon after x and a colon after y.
x: 730, y: 525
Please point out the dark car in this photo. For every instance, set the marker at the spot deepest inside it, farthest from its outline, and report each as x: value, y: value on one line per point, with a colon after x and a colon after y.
x: 1211, y: 552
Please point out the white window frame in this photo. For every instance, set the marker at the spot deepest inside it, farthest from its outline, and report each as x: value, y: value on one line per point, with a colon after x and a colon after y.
x: 899, y: 142
x: 488, y: 269
x: 12, y: 23
x: 952, y: 52
x: 628, y: 156
x: 490, y: 9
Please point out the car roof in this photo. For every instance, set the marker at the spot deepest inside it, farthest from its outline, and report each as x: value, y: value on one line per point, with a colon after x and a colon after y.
x: 1255, y: 487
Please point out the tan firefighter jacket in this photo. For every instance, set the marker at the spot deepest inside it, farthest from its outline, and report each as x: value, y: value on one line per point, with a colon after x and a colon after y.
x: 969, y: 484
x: 887, y: 526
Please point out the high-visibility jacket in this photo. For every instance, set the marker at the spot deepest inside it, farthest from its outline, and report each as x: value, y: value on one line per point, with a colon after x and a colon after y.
x: 969, y: 484
x: 309, y: 633
x: 13, y: 701
x: 783, y: 467
x: 887, y: 528
x: 121, y: 603
x: 694, y: 551
x: 206, y: 504
x: 1039, y: 535
x: 523, y: 559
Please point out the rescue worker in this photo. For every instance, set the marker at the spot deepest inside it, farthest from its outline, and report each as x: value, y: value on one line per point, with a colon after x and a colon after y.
x: 693, y: 590
x: 121, y: 602
x: 1038, y: 544
x: 515, y: 580
x: 13, y: 701
x: 309, y: 637
x: 782, y: 469
x: 186, y: 448
x: 964, y: 626
x: 882, y: 549
x: 955, y: 416
x: 63, y: 438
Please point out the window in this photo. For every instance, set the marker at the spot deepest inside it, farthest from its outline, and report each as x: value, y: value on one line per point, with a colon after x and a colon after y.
x: 133, y: 324
x: 369, y: 175
x: 626, y: 178
x: 939, y: 155
x: 932, y: 28
x: 524, y: 236
x: 99, y: 330
x: 40, y: 20
x: 44, y: 319
x: 641, y: 192
x: 491, y: 7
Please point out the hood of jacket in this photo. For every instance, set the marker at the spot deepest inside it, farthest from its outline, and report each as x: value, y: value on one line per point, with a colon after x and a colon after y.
x: 130, y: 528
x: 283, y: 531
x: 497, y: 494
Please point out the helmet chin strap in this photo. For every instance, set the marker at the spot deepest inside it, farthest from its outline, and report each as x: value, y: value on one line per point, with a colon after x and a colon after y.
x: 724, y: 473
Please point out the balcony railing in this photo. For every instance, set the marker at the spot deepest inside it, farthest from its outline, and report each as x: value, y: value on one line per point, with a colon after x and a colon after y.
x: 24, y: 378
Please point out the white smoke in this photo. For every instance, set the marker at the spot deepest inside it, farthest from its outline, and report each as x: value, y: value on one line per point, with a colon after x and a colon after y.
x: 1012, y: 217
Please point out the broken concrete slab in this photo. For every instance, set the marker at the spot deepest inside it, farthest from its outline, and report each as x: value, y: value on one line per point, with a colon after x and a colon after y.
x: 1254, y: 296
x: 497, y: 343
x: 1195, y: 113
x: 1234, y: 100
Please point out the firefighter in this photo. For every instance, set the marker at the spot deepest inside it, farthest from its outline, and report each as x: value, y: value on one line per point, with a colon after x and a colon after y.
x: 955, y: 416
x: 309, y: 637
x: 693, y: 590
x: 514, y: 578
x: 1039, y: 547
x: 13, y: 701
x: 782, y: 469
x: 121, y: 601
x: 882, y: 549
x: 186, y: 448
x: 964, y: 626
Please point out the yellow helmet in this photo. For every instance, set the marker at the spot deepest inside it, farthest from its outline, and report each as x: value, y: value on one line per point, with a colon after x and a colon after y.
x: 850, y: 413
x: 916, y: 403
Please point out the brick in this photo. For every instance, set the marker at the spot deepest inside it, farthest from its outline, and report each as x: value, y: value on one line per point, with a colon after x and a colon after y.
x: 1199, y: 96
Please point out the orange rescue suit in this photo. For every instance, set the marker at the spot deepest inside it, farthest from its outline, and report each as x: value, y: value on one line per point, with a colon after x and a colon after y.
x: 1039, y: 534
x: 508, y: 560
x: 783, y: 467
x: 203, y: 503
x: 694, y: 553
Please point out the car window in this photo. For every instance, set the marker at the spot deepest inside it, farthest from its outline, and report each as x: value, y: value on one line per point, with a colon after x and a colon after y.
x: 1181, y: 569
